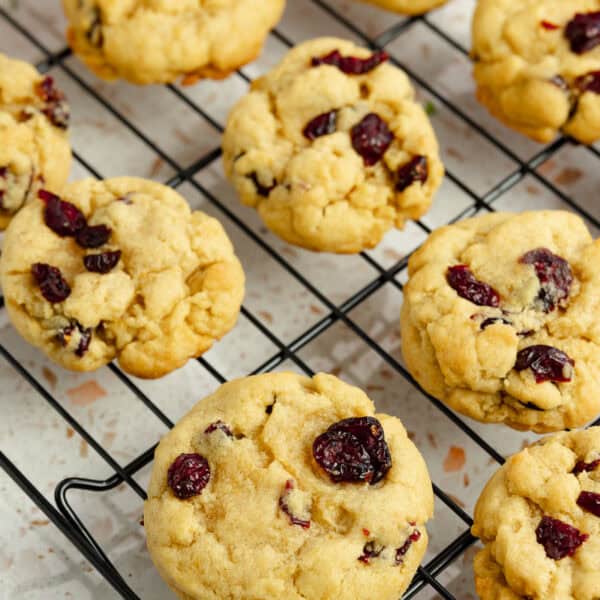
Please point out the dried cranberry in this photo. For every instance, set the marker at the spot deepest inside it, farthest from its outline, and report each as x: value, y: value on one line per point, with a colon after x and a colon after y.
x: 416, y: 169
x: 549, y: 26
x: 350, y: 64
x: 583, y: 32
x: 261, y: 190
x: 93, y: 236
x: 589, y: 501
x: 51, y: 282
x: 590, y: 82
x: 85, y: 337
x: 188, y: 475
x: 103, y: 262
x: 370, y: 550
x: 582, y: 466
x: 353, y: 450
x: 463, y: 282
x: 371, y: 137
x: 56, y: 107
x: 62, y: 217
x: 284, y: 506
x: 415, y: 536
x: 3, y: 172
x: 220, y: 426
x: 493, y: 320
x: 324, y: 124
x: 559, y: 539
x: 546, y: 362
x: 555, y: 276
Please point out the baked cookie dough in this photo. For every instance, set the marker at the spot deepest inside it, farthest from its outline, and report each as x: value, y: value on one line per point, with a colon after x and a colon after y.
x: 331, y: 148
x: 539, y: 520
x: 283, y: 487
x: 122, y: 269
x: 159, y: 41
x: 537, y: 65
x: 500, y: 319
x: 34, y: 144
x: 408, y: 7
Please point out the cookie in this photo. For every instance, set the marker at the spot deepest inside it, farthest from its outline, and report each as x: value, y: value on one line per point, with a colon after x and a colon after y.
x: 284, y: 487
x: 121, y: 269
x: 34, y: 144
x: 408, y: 7
x: 158, y: 41
x: 539, y: 520
x: 331, y: 148
x: 500, y: 319
x: 537, y: 65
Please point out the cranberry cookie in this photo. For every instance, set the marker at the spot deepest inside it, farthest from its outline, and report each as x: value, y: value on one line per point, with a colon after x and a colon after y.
x: 408, y: 7
x: 537, y: 65
x: 283, y: 487
x: 331, y: 148
x: 158, y: 41
x: 500, y: 319
x: 539, y: 519
x: 34, y: 145
x: 119, y: 268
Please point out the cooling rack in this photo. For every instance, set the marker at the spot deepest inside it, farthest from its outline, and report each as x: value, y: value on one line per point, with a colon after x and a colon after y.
x: 304, y: 312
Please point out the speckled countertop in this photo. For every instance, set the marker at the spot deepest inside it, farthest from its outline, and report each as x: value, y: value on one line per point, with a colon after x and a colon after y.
x: 36, y: 560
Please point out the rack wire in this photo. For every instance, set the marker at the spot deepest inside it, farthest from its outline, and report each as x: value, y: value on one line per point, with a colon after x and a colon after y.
x: 62, y: 513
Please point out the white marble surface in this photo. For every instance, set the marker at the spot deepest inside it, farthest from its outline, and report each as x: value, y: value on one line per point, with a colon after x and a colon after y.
x: 36, y: 561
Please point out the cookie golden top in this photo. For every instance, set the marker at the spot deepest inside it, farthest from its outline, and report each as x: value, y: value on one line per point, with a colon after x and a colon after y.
x: 331, y: 148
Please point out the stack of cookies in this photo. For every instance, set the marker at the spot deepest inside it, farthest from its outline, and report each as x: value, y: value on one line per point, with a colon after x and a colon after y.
x: 282, y: 486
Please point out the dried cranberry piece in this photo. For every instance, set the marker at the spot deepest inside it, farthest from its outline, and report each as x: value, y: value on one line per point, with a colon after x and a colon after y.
x: 370, y: 550
x: 583, y: 32
x: 549, y: 25
x: 582, y: 466
x: 188, y: 475
x: 350, y: 64
x: 416, y: 169
x: 590, y: 82
x: 3, y: 172
x: 56, y: 107
x: 51, y: 282
x: 261, y: 190
x: 415, y: 536
x: 559, y: 539
x: 546, y: 362
x: 284, y: 506
x: 493, y: 320
x: 463, y: 282
x: 555, y: 276
x: 93, y: 236
x: 371, y: 137
x: 62, y: 217
x: 85, y: 337
x: 353, y: 450
x: 220, y: 426
x: 324, y: 124
x: 103, y: 262
x: 589, y: 501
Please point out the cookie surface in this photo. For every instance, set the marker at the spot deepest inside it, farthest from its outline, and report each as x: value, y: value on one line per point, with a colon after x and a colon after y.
x: 539, y: 523
x: 268, y: 522
x: 331, y: 148
x: 34, y: 144
x: 158, y: 41
x: 408, y: 7
x: 499, y: 319
x: 135, y: 276
x: 537, y: 63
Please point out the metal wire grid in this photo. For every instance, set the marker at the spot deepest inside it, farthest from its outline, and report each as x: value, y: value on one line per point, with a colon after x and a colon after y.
x: 64, y: 517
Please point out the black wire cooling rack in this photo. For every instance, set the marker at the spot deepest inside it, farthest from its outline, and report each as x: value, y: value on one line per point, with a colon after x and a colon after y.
x: 62, y: 514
